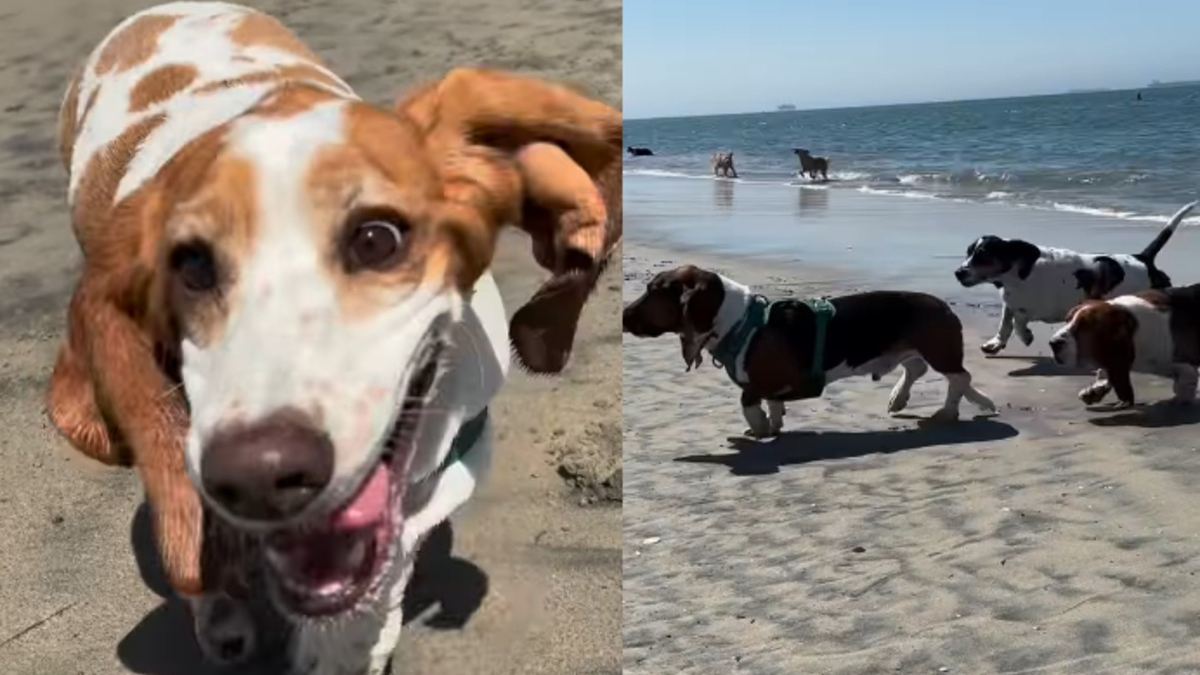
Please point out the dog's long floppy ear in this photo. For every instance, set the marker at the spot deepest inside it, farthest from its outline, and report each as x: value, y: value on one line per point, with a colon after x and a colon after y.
x: 1101, y: 278
x: 566, y: 152
x: 699, y: 310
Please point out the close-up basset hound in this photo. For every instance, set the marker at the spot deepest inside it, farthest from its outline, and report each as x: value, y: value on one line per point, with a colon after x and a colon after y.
x: 285, y: 319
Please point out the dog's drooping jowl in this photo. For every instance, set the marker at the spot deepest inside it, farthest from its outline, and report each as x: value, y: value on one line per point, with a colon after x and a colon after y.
x: 1155, y: 332
x: 722, y: 164
x: 639, y: 152
x: 789, y: 350
x: 286, y: 320
x: 1040, y: 283
x: 812, y: 164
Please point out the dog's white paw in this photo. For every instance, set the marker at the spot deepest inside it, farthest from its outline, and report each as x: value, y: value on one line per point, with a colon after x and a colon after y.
x: 993, y: 346
x: 765, y: 432
x: 1092, y: 395
x: 1025, y: 336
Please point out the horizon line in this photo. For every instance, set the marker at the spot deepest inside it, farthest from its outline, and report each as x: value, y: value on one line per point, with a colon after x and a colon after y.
x: 1094, y: 90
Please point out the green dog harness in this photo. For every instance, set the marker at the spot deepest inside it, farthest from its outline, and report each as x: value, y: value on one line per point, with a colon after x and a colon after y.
x: 732, y: 346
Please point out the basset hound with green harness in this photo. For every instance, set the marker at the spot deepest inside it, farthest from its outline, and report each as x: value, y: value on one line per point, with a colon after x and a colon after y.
x: 791, y: 349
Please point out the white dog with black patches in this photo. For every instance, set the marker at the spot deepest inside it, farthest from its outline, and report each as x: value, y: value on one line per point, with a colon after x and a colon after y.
x: 1040, y: 283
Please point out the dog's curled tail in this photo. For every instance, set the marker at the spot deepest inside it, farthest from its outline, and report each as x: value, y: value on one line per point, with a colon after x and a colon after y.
x: 1148, y: 254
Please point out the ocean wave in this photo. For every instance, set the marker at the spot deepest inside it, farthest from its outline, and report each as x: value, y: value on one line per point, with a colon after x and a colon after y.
x: 960, y: 187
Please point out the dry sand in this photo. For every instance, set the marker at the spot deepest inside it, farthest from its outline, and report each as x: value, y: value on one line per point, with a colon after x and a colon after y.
x: 534, y: 576
x: 1049, y: 539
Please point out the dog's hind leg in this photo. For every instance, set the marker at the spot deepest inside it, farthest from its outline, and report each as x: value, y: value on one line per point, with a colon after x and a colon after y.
x: 1185, y: 377
x: 775, y: 412
x: 911, y: 371
x: 979, y: 399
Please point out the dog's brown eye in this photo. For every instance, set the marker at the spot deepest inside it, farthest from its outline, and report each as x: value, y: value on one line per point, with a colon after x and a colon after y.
x: 374, y: 244
x: 194, y: 266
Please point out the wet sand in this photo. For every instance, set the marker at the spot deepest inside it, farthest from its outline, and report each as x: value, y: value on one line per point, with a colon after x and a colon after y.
x: 532, y: 583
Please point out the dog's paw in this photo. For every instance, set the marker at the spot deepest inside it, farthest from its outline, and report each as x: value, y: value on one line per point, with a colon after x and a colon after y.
x: 1025, y: 336
x: 992, y: 347
x: 944, y: 416
x: 1092, y: 395
x: 760, y: 433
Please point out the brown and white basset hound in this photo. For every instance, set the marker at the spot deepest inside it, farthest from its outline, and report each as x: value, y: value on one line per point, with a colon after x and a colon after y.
x: 790, y: 349
x: 285, y: 319
x: 1155, y: 331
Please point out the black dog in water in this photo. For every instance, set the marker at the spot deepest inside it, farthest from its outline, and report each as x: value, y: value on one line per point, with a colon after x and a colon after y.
x: 811, y: 164
x: 640, y: 152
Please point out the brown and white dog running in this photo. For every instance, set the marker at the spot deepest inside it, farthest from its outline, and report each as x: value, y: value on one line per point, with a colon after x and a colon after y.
x: 285, y: 317
x: 1155, y: 331
x: 722, y: 164
x: 870, y: 334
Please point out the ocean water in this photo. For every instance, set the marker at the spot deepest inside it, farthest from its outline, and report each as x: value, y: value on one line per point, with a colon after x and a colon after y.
x: 1102, y: 153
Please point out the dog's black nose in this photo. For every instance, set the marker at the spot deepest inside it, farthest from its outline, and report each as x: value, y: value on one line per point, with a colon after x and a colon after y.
x: 960, y: 273
x: 268, y: 470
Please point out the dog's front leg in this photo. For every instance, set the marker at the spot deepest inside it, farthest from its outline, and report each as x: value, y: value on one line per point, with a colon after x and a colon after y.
x: 775, y: 412
x: 1186, y: 380
x: 760, y: 426
x: 1097, y: 390
x: 1122, y: 385
x: 1000, y: 341
x: 393, y: 622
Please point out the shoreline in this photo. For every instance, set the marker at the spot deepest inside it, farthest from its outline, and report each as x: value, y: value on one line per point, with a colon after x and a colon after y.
x: 1046, y: 538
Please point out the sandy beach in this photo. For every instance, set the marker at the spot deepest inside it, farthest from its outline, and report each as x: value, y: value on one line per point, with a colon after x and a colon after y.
x: 1047, y: 539
x: 532, y: 581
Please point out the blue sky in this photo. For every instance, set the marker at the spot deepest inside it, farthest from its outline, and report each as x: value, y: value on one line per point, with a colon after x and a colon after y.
x: 696, y: 57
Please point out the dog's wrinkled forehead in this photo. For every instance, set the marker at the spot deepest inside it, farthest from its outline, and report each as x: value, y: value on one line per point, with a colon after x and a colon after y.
x: 306, y: 196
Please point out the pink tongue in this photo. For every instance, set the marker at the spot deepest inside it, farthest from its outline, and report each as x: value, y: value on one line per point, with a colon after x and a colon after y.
x: 368, y: 506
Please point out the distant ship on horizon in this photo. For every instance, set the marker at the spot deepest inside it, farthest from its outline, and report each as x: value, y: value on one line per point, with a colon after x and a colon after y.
x: 785, y: 107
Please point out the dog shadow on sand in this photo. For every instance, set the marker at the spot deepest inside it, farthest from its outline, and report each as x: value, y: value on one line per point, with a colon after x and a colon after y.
x: 444, y: 593
x: 791, y: 448
x: 1038, y: 366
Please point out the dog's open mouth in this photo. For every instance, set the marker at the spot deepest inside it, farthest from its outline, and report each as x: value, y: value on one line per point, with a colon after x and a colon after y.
x: 325, y: 569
